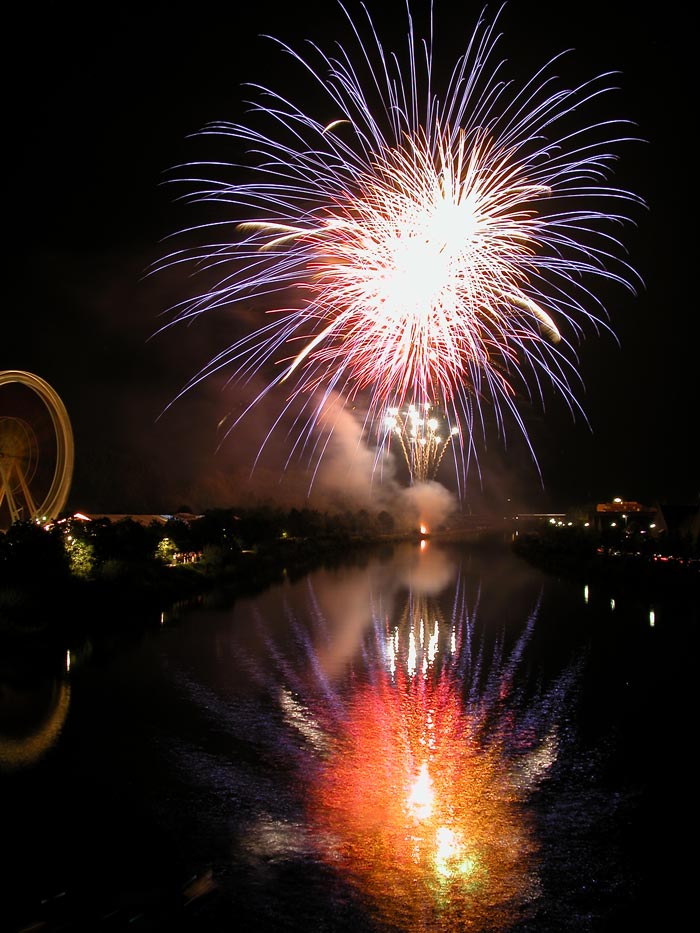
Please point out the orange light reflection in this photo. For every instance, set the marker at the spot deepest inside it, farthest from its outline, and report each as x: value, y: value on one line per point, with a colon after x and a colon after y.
x: 425, y: 817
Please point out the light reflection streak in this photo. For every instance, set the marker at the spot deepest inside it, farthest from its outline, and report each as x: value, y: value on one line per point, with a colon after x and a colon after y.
x: 422, y: 758
x: 32, y: 717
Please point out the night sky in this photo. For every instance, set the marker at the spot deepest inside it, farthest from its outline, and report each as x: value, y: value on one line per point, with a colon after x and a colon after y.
x: 102, y: 101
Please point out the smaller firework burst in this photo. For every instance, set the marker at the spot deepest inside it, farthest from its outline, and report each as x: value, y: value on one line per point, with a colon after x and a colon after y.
x: 423, y: 434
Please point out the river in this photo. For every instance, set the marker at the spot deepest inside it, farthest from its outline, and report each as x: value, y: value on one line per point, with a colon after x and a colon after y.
x: 431, y: 738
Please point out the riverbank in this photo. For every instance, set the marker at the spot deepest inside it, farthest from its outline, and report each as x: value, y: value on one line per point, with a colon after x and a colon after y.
x: 133, y: 595
x: 126, y: 594
x: 612, y: 568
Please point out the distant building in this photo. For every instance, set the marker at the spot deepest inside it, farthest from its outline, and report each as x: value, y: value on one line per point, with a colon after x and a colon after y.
x: 630, y: 515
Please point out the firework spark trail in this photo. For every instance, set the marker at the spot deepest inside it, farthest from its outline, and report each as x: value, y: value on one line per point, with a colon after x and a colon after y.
x: 438, y: 248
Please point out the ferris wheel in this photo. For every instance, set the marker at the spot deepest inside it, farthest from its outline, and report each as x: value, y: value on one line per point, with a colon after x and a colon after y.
x: 36, y: 449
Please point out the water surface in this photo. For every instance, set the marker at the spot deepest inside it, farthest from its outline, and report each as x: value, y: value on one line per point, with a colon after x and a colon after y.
x: 433, y: 739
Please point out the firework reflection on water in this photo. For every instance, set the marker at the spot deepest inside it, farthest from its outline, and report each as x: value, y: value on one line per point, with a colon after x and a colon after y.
x: 421, y: 745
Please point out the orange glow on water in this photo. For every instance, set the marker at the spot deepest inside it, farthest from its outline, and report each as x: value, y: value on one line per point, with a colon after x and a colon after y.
x: 421, y: 814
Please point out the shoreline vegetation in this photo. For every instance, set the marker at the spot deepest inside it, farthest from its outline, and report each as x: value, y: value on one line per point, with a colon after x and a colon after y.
x: 77, y: 577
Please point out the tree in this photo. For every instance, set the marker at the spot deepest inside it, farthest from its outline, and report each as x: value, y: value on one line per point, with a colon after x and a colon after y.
x: 31, y: 552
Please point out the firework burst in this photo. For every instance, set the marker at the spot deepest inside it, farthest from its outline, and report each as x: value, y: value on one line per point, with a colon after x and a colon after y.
x: 422, y: 438
x: 425, y: 245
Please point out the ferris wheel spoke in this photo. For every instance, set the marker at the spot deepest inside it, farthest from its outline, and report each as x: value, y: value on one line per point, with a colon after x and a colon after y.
x: 26, y: 492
